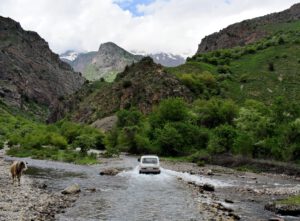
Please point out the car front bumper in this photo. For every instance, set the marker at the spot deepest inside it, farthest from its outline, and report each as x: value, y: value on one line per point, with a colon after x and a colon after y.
x: 150, y: 170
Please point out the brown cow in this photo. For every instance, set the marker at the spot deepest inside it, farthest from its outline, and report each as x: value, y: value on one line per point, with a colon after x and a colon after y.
x: 16, y: 170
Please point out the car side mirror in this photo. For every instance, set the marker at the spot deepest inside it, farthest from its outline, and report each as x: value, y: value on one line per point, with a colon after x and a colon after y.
x: 139, y: 159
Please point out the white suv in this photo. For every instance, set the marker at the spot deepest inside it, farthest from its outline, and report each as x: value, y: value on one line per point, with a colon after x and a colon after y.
x: 149, y: 164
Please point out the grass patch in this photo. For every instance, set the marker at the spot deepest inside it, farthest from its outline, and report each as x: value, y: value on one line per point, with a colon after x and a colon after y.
x: 293, y: 200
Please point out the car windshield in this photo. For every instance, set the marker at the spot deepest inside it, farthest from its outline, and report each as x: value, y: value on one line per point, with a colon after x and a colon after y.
x: 149, y: 160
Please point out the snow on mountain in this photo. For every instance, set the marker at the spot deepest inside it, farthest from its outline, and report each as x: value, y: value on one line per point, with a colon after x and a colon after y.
x: 69, y: 55
x: 165, y: 59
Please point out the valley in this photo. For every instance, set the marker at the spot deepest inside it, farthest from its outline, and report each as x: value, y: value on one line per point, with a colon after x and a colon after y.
x: 225, y: 122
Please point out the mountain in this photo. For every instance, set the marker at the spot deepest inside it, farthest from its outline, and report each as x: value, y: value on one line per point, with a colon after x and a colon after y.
x: 263, y: 71
x: 105, y: 63
x: 32, y: 77
x: 142, y: 85
x: 69, y: 56
x: 165, y: 59
x: 248, y: 31
x: 95, y: 65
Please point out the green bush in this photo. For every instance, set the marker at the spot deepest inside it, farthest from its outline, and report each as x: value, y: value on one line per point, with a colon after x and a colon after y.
x: 170, y: 141
x: 85, y: 142
x: 222, y: 139
x: 215, y: 112
x: 243, y: 145
x: 224, y: 69
x: 56, y: 140
x: 129, y: 118
x: 200, y: 156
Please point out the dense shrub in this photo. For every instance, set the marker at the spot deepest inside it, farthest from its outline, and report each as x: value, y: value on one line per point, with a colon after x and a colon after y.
x: 222, y: 139
x: 215, y: 112
x: 170, y: 141
x: 129, y: 118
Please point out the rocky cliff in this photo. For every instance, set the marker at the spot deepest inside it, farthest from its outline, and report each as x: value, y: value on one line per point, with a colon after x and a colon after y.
x: 109, y: 60
x: 247, y: 31
x: 30, y: 73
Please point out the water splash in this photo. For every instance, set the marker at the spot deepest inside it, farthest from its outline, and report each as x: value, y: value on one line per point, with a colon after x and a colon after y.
x: 167, y: 175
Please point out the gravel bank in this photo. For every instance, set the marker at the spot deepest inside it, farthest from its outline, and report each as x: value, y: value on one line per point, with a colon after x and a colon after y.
x: 30, y: 200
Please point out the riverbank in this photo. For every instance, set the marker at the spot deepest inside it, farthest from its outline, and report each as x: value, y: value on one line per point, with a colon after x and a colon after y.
x: 29, y: 201
x: 247, y: 192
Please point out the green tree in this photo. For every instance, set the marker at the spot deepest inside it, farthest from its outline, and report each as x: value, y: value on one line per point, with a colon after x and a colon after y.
x: 222, y: 139
x: 169, y: 140
x: 215, y: 112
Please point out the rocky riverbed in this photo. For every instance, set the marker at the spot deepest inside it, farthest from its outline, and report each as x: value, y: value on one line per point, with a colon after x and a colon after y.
x: 29, y: 201
x: 183, y: 191
x: 249, y: 194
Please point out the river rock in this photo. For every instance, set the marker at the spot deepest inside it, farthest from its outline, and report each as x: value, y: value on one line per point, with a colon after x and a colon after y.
x: 209, y: 173
x: 109, y: 172
x: 283, y: 209
x: 234, y: 216
x: 228, y: 201
x: 75, y: 188
x: 208, y: 187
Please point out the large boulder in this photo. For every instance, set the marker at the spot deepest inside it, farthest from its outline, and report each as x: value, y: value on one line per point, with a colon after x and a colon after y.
x: 73, y: 189
x: 109, y: 172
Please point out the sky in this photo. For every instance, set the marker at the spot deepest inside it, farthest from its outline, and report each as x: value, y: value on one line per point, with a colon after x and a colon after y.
x: 173, y: 26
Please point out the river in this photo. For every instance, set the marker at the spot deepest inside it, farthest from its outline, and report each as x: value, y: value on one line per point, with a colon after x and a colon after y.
x: 133, y: 196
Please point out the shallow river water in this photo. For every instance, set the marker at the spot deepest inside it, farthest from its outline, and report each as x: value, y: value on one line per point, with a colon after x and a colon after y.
x: 130, y: 195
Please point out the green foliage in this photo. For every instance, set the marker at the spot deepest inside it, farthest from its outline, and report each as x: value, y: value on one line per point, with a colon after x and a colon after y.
x: 57, y: 154
x: 85, y: 142
x: 128, y: 118
x: 172, y: 109
x: 1, y: 144
x: 200, y: 156
x: 170, y: 141
x: 29, y: 138
x: 215, y: 112
x: 222, y: 139
x: 243, y: 144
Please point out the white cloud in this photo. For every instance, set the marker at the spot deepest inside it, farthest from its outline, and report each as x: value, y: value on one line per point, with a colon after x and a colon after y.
x: 175, y: 26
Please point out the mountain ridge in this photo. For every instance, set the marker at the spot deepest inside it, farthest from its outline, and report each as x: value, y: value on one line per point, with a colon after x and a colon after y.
x: 247, y: 31
x: 30, y: 73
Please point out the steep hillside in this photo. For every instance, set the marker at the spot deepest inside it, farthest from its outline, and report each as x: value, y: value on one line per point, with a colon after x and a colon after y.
x: 109, y: 60
x: 262, y: 71
x: 31, y: 76
x: 142, y: 85
x: 248, y: 31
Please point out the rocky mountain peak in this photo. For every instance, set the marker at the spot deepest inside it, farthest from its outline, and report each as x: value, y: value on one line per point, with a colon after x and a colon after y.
x: 109, y: 46
x: 109, y: 60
